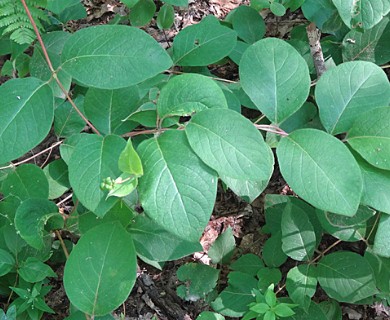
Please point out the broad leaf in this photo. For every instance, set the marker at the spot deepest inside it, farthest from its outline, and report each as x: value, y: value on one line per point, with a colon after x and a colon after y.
x: 7, y: 262
x: 362, y: 14
x: 177, y: 189
x: 301, y: 284
x: 157, y: 244
x: 25, y: 182
x: 34, y: 270
x: 166, y: 16
x: 101, y: 269
x: 248, y: 24
x: 26, y: 116
x: 370, y: 137
x: 129, y: 161
x: 57, y: 175
x: 275, y: 77
x: 142, y: 13
x: 318, y: 11
x: 202, y: 279
x: 107, y: 109
x: 311, y: 161
x: 208, y: 315
x: 272, y: 253
x: 189, y: 93
x: 382, y: 236
x: 30, y: 220
x: 54, y: 43
x: 222, y: 249
x: 376, y: 182
x: 267, y: 277
x: 128, y: 56
x: 314, y: 312
x: 345, y: 92
x: 367, y: 45
x: 346, y: 277
x: 66, y: 119
x: 230, y: 144
x: 381, y: 268
x: 204, y: 43
x: 346, y: 228
x: 94, y: 159
x: 298, y: 236
x: 248, y: 263
x: 234, y: 300
x: 179, y: 3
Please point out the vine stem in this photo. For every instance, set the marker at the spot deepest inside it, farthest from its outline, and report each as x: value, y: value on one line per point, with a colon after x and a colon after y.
x: 12, y: 165
x: 63, y: 246
x: 271, y: 128
x: 214, y: 78
x: 53, y: 72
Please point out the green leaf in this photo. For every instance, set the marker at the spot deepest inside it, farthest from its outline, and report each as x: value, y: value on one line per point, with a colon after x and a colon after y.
x: 346, y: 228
x: 57, y: 175
x: 26, y: 116
x: 7, y: 262
x: 177, y: 189
x: 277, y: 8
x: 142, y: 13
x: 221, y: 251
x: 124, y: 185
x: 272, y: 253
x: 267, y: 277
x: 362, y: 14
x: 346, y: 277
x: 66, y: 119
x: 178, y: 3
x: 269, y: 315
x: 25, y: 182
x: 129, y: 160
x: 69, y: 145
x: 34, y: 270
x: 238, y: 151
x: 67, y: 10
x: 204, y: 43
x: 248, y: 190
x: 157, y: 244
x: 129, y: 56
x: 208, y: 315
x: 54, y: 43
x: 189, y: 93
x: 233, y: 301
x: 130, y: 3
x: 298, y: 236
x: 367, y: 45
x: 345, y: 92
x: 283, y: 310
x: 314, y: 312
x: 381, y: 242
x: 202, y: 280
x: 274, y: 94
x: 311, y: 161
x: 318, y: 11
x: 238, y: 51
x: 101, y: 269
x: 248, y: 263
x: 248, y: 24
x: 370, y: 137
x: 31, y: 218
x: 270, y: 296
x: 260, y: 308
x: 381, y: 268
x: 166, y: 16
x: 376, y: 182
x: 107, y: 109
x: 94, y: 159
x: 301, y: 284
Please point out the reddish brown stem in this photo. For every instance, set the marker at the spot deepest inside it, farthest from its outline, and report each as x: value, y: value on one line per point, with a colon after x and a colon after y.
x: 53, y: 72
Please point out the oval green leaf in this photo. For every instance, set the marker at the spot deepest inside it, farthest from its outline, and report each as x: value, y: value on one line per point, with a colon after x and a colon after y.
x: 94, y: 159
x: 230, y: 144
x: 107, y: 109
x: 362, y: 14
x: 298, y: 236
x: 142, y: 13
x: 344, y: 92
x: 370, y: 137
x: 204, y: 43
x: 101, y: 269
x: 248, y: 24
x: 31, y: 218
x: 66, y: 119
x: 311, y: 161
x: 177, y: 189
x: 276, y: 78
x: 346, y: 277
x: 189, y: 93
x: 26, y: 116
x: 129, y: 56
x: 166, y: 16
x: 27, y: 181
x: 381, y: 243
x: 7, y: 262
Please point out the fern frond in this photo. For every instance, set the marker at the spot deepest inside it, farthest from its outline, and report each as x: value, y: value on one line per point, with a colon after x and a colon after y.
x: 14, y: 18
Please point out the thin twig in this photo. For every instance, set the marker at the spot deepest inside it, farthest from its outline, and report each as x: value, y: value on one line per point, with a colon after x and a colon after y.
x: 12, y: 165
x: 325, y: 251
x: 149, y: 131
x: 64, y: 200
x: 373, y: 227
x: 385, y: 66
x: 53, y: 72
x: 314, y: 36
x: 63, y: 246
x: 271, y: 128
